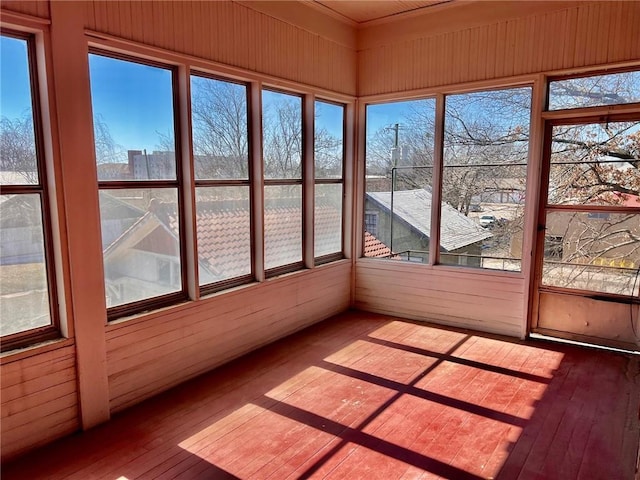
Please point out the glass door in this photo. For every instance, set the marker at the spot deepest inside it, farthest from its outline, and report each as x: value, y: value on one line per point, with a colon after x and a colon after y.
x: 588, y: 261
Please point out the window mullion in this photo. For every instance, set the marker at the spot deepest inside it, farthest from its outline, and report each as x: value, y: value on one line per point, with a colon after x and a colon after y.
x: 436, y: 202
x: 257, y: 179
x: 190, y: 244
x: 308, y: 174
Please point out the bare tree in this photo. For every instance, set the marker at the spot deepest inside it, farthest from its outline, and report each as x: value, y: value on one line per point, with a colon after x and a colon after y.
x: 18, y: 149
x: 220, y: 139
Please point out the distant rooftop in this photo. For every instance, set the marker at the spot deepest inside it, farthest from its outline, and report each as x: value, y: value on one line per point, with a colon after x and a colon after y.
x: 414, y: 207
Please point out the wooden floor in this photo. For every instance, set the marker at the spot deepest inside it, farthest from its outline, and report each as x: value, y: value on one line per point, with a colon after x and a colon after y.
x: 364, y: 396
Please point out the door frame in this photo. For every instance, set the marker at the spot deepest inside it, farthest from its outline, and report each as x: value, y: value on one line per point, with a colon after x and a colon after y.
x: 550, y: 119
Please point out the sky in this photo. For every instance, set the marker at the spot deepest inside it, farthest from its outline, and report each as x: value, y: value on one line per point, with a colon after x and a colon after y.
x: 15, y: 98
x: 135, y: 101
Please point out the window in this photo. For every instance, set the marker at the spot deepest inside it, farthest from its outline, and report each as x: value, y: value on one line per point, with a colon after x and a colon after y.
x: 485, y: 166
x: 399, y: 170
x: 593, y: 205
x: 282, y: 157
x: 139, y: 181
x: 329, y: 160
x: 221, y: 165
x: 371, y: 223
x: 27, y: 289
x: 594, y: 90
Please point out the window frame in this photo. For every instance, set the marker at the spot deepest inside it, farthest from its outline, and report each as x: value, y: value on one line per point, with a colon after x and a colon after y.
x: 335, y: 256
x: 586, y: 74
x: 51, y: 331
x: 177, y: 184
x: 214, y: 287
x: 276, y: 182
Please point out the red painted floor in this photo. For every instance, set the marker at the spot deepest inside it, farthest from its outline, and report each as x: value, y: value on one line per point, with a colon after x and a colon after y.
x: 365, y: 396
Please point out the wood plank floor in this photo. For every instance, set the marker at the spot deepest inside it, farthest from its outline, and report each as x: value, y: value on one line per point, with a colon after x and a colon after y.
x: 365, y: 396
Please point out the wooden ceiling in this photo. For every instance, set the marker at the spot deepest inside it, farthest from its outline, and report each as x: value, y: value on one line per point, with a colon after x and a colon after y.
x: 359, y: 12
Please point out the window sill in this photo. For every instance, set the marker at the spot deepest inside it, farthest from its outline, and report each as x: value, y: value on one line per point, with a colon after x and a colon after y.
x: 35, y: 349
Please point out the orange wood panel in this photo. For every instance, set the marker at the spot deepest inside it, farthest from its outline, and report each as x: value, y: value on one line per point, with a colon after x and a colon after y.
x: 236, y: 35
x: 36, y: 8
x: 534, y: 37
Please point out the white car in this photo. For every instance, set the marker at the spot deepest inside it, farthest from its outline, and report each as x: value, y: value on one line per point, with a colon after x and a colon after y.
x: 487, y: 220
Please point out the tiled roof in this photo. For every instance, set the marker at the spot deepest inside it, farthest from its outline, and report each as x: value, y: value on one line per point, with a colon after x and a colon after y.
x: 374, y: 247
x: 224, y: 237
x: 414, y: 207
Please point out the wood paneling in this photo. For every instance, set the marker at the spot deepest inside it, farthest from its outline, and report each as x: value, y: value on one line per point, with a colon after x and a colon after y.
x: 34, y: 8
x: 464, y: 298
x: 232, y: 34
x: 395, y: 58
x: 588, y: 319
x: 39, y: 400
x: 148, y: 357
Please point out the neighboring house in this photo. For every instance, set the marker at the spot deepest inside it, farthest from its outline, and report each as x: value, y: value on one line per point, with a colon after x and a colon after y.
x: 460, y: 238
x: 20, y: 230
x: 595, y: 238
x: 145, y: 259
x: 503, y: 190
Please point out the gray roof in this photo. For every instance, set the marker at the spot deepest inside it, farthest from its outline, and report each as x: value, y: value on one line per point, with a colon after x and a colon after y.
x: 414, y: 207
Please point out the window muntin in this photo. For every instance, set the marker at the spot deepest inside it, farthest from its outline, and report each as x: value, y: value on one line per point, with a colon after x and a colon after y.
x: 328, y: 172
x: 484, y: 178
x: 399, y: 170
x: 140, y: 192
x: 222, y: 176
x: 26, y: 278
x: 595, y: 90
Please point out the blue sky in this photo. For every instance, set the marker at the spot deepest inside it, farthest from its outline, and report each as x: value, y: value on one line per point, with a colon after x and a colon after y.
x: 15, y: 98
x: 135, y: 101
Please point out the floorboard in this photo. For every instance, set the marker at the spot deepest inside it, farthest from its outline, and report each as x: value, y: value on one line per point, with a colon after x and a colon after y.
x: 364, y: 396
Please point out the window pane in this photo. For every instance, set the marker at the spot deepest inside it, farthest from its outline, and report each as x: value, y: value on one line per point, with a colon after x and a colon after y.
x: 133, y: 120
x: 328, y: 219
x: 484, y: 178
x: 219, y: 122
x: 595, y: 164
x: 24, y: 296
x: 18, y: 164
x: 399, y: 160
x: 329, y: 140
x: 609, y: 89
x: 593, y: 251
x: 281, y: 135
x: 282, y: 225
x: 224, y: 233
x: 140, y: 243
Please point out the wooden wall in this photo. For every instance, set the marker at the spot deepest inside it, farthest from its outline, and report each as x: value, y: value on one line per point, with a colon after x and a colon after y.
x: 233, y: 34
x: 165, y: 349
x: 34, y: 8
x: 492, y: 40
x: 39, y: 400
x: 457, y: 297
